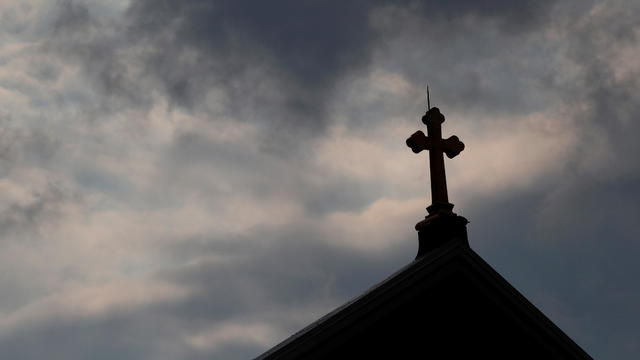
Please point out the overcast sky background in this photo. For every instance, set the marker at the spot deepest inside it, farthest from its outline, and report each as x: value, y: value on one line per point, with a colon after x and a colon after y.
x: 200, y: 179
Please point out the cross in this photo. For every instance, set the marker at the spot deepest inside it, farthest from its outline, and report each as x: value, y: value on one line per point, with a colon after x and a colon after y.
x: 436, y: 146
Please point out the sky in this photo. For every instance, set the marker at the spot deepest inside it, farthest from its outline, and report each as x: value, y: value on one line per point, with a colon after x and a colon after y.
x: 200, y: 179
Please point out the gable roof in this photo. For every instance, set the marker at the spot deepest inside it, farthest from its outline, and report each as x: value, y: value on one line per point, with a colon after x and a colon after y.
x: 427, y: 274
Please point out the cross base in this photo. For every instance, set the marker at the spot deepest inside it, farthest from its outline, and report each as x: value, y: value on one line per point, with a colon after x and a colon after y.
x: 440, y: 207
x: 440, y: 228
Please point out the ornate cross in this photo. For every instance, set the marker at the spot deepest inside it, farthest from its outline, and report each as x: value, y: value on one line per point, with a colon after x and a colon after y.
x: 436, y: 146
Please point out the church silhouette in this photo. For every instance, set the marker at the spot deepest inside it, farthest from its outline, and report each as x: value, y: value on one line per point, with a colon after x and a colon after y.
x: 446, y: 304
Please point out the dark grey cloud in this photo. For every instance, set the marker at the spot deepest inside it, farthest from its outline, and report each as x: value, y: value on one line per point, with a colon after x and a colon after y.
x: 94, y: 44
x: 286, y: 269
x: 24, y: 223
x: 25, y: 219
x: 281, y: 65
x: 278, y: 62
x: 261, y: 175
x: 613, y: 103
x: 577, y: 231
x: 575, y: 258
x: 274, y: 273
x: 20, y: 147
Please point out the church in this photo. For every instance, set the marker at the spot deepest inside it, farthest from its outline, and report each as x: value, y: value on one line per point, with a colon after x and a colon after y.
x: 448, y: 303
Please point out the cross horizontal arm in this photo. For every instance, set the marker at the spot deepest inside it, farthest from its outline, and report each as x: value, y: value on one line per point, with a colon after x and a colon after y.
x: 418, y: 142
x: 452, y: 146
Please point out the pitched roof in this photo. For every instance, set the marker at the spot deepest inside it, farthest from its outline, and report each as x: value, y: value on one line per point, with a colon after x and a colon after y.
x: 467, y: 287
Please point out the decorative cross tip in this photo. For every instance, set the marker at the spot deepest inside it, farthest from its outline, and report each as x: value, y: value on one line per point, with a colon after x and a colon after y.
x: 453, y: 146
x: 418, y: 142
x: 433, y: 116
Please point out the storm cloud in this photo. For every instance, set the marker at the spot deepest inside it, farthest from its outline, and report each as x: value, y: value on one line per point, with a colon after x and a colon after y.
x: 200, y: 179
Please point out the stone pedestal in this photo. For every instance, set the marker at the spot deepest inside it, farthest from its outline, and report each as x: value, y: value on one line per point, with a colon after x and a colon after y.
x: 440, y: 228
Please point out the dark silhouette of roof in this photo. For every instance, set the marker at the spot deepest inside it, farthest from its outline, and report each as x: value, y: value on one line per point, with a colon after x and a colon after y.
x: 448, y: 303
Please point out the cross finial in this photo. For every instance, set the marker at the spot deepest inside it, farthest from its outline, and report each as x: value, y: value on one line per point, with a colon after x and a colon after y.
x: 428, y: 100
x: 437, y: 146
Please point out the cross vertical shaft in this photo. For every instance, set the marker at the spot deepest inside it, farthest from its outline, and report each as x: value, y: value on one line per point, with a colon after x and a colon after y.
x: 436, y: 164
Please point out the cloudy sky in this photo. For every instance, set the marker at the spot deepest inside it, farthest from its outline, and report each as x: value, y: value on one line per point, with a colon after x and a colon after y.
x: 200, y: 179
